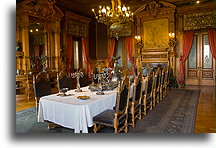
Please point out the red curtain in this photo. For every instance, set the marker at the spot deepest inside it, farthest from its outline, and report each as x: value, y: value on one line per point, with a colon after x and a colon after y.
x: 129, y: 47
x: 69, y: 50
x: 211, y: 37
x: 188, y: 40
x: 112, y: 49
x: 37, y: 51
x: 84, y: 50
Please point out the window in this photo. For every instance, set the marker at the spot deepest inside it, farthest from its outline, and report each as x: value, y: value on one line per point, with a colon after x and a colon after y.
x: 76, y: 54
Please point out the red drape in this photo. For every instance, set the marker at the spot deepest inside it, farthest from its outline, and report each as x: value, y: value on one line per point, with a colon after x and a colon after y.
x: 112, y: 48
x: 188, y: 40
x: 129, y: 47
x: 211, y: 37
x: 84, y: 50
x: 37, y: 51
x: 69, y: 50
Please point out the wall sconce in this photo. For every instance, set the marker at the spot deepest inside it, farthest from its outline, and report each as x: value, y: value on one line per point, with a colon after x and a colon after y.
x: 172, y: 35
x: 138, y: 37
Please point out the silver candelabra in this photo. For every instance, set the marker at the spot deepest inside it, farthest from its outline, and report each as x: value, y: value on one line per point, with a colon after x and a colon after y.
x: 77, y: 75
x: 99, y: 76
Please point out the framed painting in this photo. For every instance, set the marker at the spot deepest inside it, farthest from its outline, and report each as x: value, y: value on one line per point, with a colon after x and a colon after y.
x: 155, y: 34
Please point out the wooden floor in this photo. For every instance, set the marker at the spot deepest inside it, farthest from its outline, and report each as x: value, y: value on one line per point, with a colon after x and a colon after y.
x: 206, y: 113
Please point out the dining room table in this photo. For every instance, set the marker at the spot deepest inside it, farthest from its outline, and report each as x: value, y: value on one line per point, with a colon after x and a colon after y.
x: 71, y: 111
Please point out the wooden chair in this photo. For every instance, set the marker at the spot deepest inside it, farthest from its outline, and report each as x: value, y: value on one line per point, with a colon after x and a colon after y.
x: 162, y: 82
x: 42, y: 87
x: 135, y: 104
x: 166, y: 81
x: 148, y: 93
x: 64, y: 80
x: 156, y: 87
x: 118, y: 116
x: 146, y: 70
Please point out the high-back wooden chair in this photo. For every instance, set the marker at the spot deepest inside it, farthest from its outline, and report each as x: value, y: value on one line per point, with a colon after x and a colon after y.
x: 135, y: 104
x: 156, y: 87
x: 64, y: 80
x: 148, y: 93
x: 166, y: 82
x: 118, y: 116
x: 42, y: 87
x: 162, y: 82
x: 146, y: 70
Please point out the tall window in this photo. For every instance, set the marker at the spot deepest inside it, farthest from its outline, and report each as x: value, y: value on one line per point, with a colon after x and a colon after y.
x: 77, y: 54
x: 119, y: 52
x: 122, y: 52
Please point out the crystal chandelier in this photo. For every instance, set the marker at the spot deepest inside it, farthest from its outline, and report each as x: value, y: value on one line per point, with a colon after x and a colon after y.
x: 117, y: 17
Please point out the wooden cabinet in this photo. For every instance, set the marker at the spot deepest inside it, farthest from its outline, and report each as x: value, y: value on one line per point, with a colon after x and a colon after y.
x: 98, y: 41
x: 21, y: 89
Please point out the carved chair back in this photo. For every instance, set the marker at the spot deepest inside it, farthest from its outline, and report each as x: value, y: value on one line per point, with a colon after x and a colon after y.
x: 123, y: 95
x: 64, y: 80
x: 41, y: 83
x: 146, y: 70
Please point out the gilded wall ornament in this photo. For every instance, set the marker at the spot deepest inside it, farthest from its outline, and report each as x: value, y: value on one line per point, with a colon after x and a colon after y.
x: 200, y: 20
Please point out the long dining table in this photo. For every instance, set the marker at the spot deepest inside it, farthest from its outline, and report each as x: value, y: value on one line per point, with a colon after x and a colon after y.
x: 71, y: 112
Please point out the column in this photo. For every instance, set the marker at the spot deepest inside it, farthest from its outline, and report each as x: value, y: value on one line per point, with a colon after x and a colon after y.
x: 57, y: 46
x: 25, y: 43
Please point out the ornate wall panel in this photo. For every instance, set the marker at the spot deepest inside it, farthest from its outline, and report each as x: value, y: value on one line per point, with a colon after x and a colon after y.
x: 207, y: 74
x: 201, y: 20
x: 192, y: 73
x: 77, y: 28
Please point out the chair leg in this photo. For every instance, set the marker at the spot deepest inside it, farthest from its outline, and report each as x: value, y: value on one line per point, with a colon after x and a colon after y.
x: 154, y: 99
x: 151, y: 105
x: 116, y: 130
x: 133, y: 120
x: 126, y: 126
x: 140, y: 113
x: 95, y: 128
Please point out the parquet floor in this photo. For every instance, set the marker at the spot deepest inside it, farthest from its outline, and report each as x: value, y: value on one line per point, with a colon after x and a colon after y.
x: 206, y: 113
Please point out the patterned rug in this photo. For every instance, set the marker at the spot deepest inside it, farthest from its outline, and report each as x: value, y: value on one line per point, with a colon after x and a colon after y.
x: 176, y: 113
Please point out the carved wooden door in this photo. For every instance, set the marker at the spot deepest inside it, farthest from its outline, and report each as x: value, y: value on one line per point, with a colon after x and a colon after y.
x: 200, y: 65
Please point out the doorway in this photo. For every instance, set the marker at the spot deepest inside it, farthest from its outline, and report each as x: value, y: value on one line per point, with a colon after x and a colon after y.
x: 200, y: 65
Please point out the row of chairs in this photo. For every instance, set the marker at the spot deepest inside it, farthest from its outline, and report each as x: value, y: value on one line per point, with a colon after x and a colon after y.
x: 146, y: 93
x: 42, y: 85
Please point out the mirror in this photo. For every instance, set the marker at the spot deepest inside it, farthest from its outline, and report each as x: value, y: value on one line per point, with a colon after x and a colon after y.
x: 37, y: 46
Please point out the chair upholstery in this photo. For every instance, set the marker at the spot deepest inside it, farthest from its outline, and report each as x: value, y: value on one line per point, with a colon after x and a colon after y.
x: 156, y: 87
x: 148, y: 93
x: 145, y: 70
x: 135, y: 103
x: 42, y: 86
x: 84, y: 81
x: 64, y: 80
x: 118, y: 116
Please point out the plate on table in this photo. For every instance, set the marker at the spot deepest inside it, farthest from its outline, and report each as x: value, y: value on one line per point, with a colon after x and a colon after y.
x: 83, y: 97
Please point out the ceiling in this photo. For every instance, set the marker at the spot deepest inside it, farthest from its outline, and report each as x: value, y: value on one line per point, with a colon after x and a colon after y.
x: 84, y: 7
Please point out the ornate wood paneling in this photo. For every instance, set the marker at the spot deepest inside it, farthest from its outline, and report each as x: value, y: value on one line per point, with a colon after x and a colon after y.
x: 155, y: 57
x: 192, y: 73
x: 77, y: 29
x: 201, y: 20
x: 207, y: 74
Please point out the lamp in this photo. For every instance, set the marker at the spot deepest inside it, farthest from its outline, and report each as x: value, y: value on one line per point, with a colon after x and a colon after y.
x: 172, y: 41
x: 117, y: 17
x: 172, y: 35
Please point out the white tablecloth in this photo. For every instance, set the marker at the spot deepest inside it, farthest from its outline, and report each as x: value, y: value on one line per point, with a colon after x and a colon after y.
x: 70, y: 112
